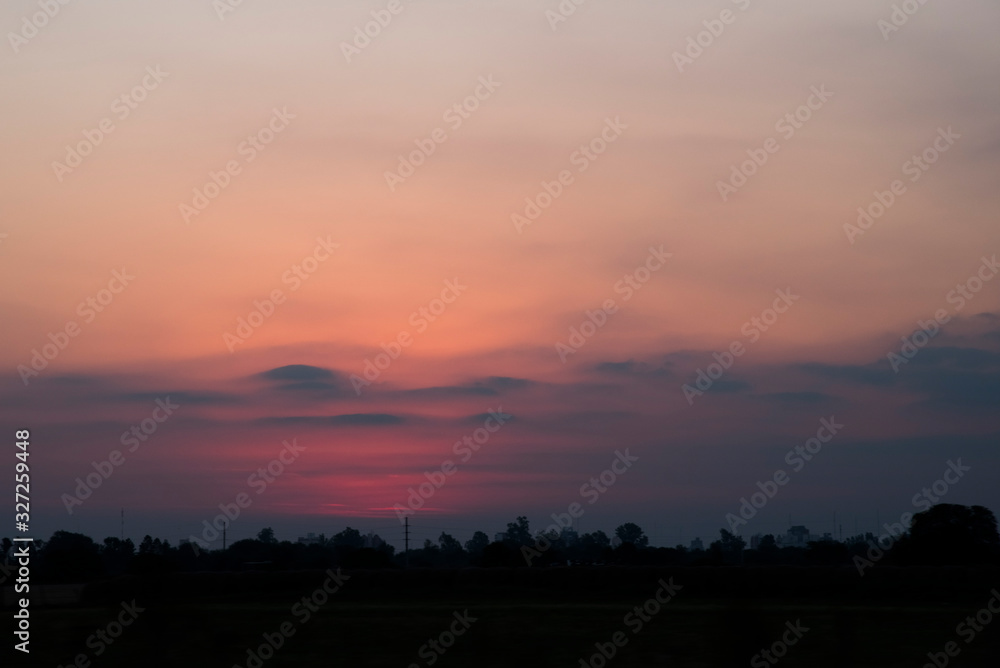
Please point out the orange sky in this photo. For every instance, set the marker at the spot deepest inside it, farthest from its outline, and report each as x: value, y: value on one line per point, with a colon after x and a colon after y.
x: 343, y: 125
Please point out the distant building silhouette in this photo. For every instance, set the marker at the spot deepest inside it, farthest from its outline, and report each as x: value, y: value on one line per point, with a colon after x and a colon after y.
x: 796, y: 536
x: 309, y: 539
x: 696, y: 544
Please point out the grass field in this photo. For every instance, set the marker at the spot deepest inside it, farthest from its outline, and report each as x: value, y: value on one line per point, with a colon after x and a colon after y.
x: 529, y: 632
x: 716, y: 617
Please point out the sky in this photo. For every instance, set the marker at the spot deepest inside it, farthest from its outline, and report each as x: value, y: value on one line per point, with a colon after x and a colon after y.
x: 251, y: 231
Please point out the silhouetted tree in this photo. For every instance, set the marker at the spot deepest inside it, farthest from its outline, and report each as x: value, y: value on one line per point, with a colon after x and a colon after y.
x: 518, y: 533
x: 452, y: 553
x: 594, y: 546
x: 826, y: 553
x: 70, y: 557
x: 631, y: 533
x: 266, y: 536
x: 950, y: 534
x: 146, y: 545
x: 248, y: 550
x: 501, y: 554
x: 729, y: 547
x: 117, y: 554
x: 448, y: 543
x: 349, y: 538
x: 154, y: 556
x: 477, y: 544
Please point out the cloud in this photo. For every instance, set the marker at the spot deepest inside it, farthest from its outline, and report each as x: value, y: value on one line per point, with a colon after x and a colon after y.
x: 349, y: 420
x: 447, y: 392
x: 306, y: 379
x: 799, y: 398
x: 312, y: 386
x: 502, y: 383
x: 954, y: 357
x: 955, y: 376
x: 88, y: 389
x: 877, y: 374
x: 728, y: 386
x: 490, y: 386
x: 77, y: 380
x: 633, y: 368
x: 184, y: 397
x: 955, y: 388
x: 479, y: 418
x: 297, y: 372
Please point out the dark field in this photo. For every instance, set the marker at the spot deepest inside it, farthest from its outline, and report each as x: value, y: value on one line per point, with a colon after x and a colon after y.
x: 719, y: 617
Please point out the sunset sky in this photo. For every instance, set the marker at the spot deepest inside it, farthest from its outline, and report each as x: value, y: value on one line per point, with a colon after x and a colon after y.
x: 247, y: 158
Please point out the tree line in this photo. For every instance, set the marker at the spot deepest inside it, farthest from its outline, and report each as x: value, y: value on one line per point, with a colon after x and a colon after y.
x: 946, y: 534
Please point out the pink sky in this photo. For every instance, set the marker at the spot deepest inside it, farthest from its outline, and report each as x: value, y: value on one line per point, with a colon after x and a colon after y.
x: 343, y: 125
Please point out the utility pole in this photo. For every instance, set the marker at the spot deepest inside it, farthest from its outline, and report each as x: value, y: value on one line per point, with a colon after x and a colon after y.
x: 123, y: 525
x: 223, y: 536
x: 406, y: 542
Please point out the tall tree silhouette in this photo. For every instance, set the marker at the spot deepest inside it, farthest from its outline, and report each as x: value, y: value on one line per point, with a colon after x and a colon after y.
x: 951, y: 534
